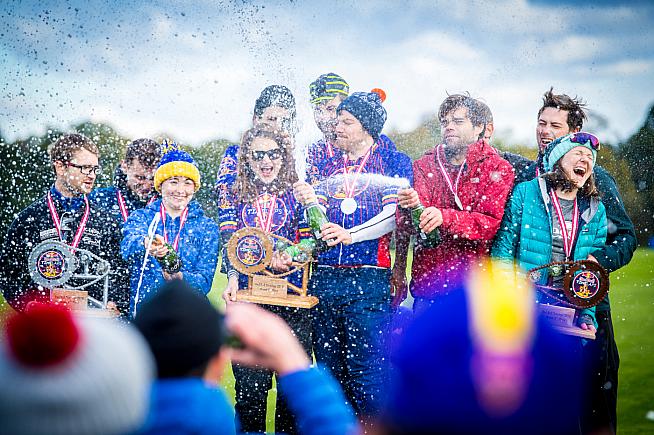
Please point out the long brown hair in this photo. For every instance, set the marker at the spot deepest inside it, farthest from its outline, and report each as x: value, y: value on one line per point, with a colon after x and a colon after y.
x: 245, y: 188
x: 557, y: 179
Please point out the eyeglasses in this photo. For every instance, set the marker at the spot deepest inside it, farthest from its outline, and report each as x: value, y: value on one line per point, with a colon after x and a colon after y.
x: 583, y: 137
x: 87, y: 169
x: 273, y: 154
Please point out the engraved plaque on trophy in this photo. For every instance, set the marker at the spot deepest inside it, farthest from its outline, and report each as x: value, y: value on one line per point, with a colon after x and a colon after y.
x: 585, y: 284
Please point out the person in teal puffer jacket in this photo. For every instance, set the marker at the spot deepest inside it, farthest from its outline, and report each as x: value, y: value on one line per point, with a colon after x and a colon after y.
x: 557, y: 216
x: 177, y: 220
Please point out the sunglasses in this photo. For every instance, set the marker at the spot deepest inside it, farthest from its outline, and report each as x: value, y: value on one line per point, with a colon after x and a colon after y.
x: 273, y: 154
x: 582, y: 137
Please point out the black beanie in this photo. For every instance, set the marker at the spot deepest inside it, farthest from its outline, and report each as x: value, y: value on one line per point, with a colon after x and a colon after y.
x: 182, y: 328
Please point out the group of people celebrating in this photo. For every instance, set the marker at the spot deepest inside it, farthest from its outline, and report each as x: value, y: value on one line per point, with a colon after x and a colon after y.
x: 474, y: 202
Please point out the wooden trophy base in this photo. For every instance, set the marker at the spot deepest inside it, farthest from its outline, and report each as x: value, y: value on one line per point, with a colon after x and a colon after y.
x: 77, y: 302
x: 274, y: 291
x: 562, y: 319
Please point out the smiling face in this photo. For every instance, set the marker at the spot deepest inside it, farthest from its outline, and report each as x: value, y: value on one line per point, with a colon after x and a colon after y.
x: 177, y: 192
x: 350, y: 134
x: 78, y: 176
x: 552, y: 124
x: 577, y: 164
x: 265, y: 159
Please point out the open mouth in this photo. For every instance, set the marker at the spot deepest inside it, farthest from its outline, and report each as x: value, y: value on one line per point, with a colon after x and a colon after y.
x: 579, y: 171
x: 267, y: 172
x: 545, y: 141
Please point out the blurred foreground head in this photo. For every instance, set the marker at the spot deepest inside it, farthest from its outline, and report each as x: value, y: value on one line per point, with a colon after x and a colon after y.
x: 483, y: 361
x: 66, y: 375
x: 182, y: 328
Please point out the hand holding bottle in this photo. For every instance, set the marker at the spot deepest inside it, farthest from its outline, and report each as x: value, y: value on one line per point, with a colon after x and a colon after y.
x: 158, y: 247
x: 304, y: 193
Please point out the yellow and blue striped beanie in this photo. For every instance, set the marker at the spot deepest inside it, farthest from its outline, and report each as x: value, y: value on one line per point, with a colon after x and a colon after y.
x: 327, y: 87
x: 175, y: 163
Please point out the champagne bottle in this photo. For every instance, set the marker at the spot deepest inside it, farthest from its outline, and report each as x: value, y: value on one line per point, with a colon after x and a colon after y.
x: 300, y: 252
x: 428, y: 240
x: 170, y: 263
x: 316, y: 218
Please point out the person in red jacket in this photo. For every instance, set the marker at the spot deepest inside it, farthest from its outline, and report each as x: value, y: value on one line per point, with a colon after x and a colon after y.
x: 463, y: 184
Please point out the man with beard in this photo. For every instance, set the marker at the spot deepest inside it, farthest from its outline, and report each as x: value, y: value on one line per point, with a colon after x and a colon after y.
x: 352, y: 279
x: 326, y: 93
x: 133, y: 181
x: 559, y: 116
x: 463, y: 184
x: 64, y: 214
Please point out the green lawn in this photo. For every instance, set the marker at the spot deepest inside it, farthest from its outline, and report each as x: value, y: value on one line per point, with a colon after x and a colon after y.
x: 632, y: 300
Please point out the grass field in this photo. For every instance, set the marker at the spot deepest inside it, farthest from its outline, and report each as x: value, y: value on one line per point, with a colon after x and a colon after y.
x: 632, y: 301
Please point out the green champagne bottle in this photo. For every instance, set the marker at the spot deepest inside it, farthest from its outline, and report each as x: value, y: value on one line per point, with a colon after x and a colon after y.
x: 300, y: 252
x: 170, y: 263
x: 316, y: 218
x: 427, y: 240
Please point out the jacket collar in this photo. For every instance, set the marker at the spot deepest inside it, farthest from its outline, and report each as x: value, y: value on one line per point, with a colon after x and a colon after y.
x: 65, y: 203
x: 477, y: 152
x: 587, y: 206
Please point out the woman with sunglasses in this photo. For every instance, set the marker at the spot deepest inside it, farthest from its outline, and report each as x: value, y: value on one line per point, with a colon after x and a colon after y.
x: 556, y: 217
x: 262, y: 197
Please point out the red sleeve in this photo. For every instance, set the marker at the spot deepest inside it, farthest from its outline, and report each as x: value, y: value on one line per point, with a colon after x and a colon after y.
x: 485, y: 216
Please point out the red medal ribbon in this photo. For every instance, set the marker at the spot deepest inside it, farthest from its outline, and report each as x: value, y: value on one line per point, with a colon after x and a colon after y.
x: 123, y: 206
x: 329, y: 149
x: 265, y: 221
x: 568, y: 238
x: 57, y: 222
x: 454, y: 188
x: 351, y: 187
x: 182, y: 221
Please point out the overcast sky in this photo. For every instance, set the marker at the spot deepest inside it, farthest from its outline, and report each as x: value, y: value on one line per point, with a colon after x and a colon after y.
x: 193, y: 69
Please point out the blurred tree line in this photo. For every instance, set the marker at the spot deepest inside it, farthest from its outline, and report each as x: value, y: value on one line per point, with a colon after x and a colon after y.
x: 25, y: 171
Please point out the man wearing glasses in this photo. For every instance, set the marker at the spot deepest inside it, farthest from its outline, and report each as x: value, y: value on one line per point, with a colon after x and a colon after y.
x: 560, y: 115
x: 64, y: 214
x: 133, y: 186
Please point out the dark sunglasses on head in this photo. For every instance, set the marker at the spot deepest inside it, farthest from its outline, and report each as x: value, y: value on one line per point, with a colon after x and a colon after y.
x: 273, y: 154
x: 582, y: 137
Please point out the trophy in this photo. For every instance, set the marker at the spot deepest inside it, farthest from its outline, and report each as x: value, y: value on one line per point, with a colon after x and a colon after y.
x: 585, y: 283
x: 54, y: 264
x: 250, y: 251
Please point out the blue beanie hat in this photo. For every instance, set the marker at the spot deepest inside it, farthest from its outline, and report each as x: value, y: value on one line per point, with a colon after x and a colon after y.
x: 560, y: 147
x: 476, y: 347
x: 175, y: 163
x: 327, y: 87
x: 367, y: 108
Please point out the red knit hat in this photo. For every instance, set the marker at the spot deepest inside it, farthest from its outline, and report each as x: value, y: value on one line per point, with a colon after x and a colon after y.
x: 65, y: 375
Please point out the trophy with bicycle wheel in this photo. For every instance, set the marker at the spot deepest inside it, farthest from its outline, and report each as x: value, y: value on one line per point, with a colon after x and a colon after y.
x: 250, y: 251
x: 67, y: 272
x: 585, y: 284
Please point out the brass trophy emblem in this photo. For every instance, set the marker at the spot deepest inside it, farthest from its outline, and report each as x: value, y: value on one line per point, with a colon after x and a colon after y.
x: 585, y: 283
x: 53, y: 264
x: 250, y: 251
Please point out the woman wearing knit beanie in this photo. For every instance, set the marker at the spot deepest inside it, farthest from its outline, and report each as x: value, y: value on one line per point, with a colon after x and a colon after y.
x: 556, y: 217
x: 171, y: 238
x: 262, y: 197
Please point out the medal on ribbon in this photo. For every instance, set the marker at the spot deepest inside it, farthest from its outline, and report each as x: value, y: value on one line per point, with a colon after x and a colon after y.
x: 349, y: 204
x: 453, y: 187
